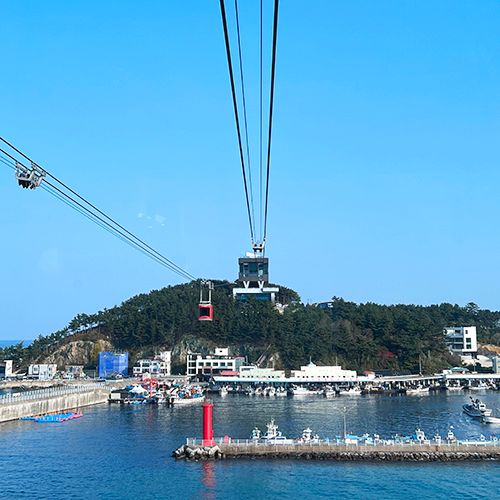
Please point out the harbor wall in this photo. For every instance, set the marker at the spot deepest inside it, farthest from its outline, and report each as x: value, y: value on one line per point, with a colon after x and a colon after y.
x: 334, y: 452
x: 58, y: 403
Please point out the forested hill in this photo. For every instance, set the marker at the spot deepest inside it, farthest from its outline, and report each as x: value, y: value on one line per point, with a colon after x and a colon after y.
x: 359, y: 336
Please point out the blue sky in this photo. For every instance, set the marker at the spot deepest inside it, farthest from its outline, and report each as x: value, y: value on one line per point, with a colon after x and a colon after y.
x: 384, y: 180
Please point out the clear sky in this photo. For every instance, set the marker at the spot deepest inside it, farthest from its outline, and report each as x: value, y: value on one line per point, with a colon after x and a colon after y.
x: 384, y: 180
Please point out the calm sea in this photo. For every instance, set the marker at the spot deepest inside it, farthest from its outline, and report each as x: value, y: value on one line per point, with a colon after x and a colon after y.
x: 118, y: 452
x: 7, y: 343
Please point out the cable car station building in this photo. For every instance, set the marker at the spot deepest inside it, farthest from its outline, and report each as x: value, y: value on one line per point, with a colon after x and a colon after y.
x: 253, y: 278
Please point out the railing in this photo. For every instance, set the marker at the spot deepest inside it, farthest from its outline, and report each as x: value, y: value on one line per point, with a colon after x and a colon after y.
x: 50, y: 392
x: 383, y: 445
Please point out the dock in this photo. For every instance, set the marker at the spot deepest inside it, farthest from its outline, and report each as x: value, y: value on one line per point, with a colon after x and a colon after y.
x: 340, y: 452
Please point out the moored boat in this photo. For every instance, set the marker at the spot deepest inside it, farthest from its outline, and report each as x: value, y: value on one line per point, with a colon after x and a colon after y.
x: 417, y: 390
x: 351, y: 391
x: 490, y: 419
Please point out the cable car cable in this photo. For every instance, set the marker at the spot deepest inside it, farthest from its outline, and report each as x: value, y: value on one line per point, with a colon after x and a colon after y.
x: 173, y: 264
x: 235, y: 106
x: 245, y: 122
x: 122, y: 234
x: 271, y: 103
x: 260, y: 131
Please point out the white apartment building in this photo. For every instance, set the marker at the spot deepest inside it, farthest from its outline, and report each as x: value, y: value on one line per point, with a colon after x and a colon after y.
x: 159, y: 366
x: 215, y: 363
x: 42, y: 372
x: 461, y: 340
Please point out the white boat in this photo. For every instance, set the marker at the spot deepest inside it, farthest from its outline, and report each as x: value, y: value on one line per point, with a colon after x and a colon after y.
x: 476, y: 409
x: 223, y: 391
x: 329, y: 392
x: 302, y: 391
x: 352, y: 391
x: 417, y: 390
x: 454, y: 388
x: 274, y: 436
x: 480, y: 387
x: 280, y: 391
x: 182, y: 401
x: 308, y: 437
x: 489, y: 419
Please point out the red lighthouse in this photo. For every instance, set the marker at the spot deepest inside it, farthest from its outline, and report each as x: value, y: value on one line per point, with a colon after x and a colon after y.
x: 208, y: 431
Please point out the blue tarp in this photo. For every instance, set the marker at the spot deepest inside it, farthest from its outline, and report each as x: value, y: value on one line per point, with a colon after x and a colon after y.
x: 110, y: 364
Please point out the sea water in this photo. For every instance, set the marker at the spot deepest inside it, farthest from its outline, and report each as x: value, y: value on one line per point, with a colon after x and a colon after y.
x: 125, y: 451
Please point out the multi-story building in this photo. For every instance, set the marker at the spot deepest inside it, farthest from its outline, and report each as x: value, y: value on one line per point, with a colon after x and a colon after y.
x: 215, y: 363
x: 159, y: 366
x: 461, y: 340
x: 42, y: 372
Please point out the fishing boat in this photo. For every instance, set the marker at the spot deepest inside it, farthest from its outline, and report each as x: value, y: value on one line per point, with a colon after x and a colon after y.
x: 351, y: 391
x: 274, y: 436
x: 329, y: 392
x: 280, y: 391
x: 476, y: 409
x: 181, y: 400
x: 454, y: 388
x: 415, y: 391
x: 308, y: 437
x: 482, y: 386
x: 302, y: 391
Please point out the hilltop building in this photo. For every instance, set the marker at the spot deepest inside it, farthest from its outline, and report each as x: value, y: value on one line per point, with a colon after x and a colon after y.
x: 461, y: 340
x: 253, y: 278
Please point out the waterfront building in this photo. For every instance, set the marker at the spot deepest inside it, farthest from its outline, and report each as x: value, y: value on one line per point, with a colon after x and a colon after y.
x: 254, y: 373
x: 314, y: 373
x: 73, y: 372
x: 461, y: 340
x: 112, y: 364
x: 310, y: 373
x: 159, y: 366
x: 220, y: 360
x: 42, y: 371
x: 6, y: 369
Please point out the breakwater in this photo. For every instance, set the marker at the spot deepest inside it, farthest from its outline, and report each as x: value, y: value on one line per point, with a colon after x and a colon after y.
x: 41, y: 402
x: 334, y: 452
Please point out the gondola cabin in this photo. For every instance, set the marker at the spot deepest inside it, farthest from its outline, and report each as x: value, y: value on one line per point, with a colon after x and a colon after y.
x: 205, y: 312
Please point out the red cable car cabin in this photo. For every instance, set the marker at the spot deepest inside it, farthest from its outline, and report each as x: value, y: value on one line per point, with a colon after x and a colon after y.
x: 205, y: 312
x: 205, y: 307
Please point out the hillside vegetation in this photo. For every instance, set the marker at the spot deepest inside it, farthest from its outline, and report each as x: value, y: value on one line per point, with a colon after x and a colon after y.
x: 358, y: 336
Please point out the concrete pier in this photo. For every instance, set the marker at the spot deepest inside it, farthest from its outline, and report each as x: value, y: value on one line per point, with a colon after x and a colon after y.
x: 51, y: 401
x: 336, y: 452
